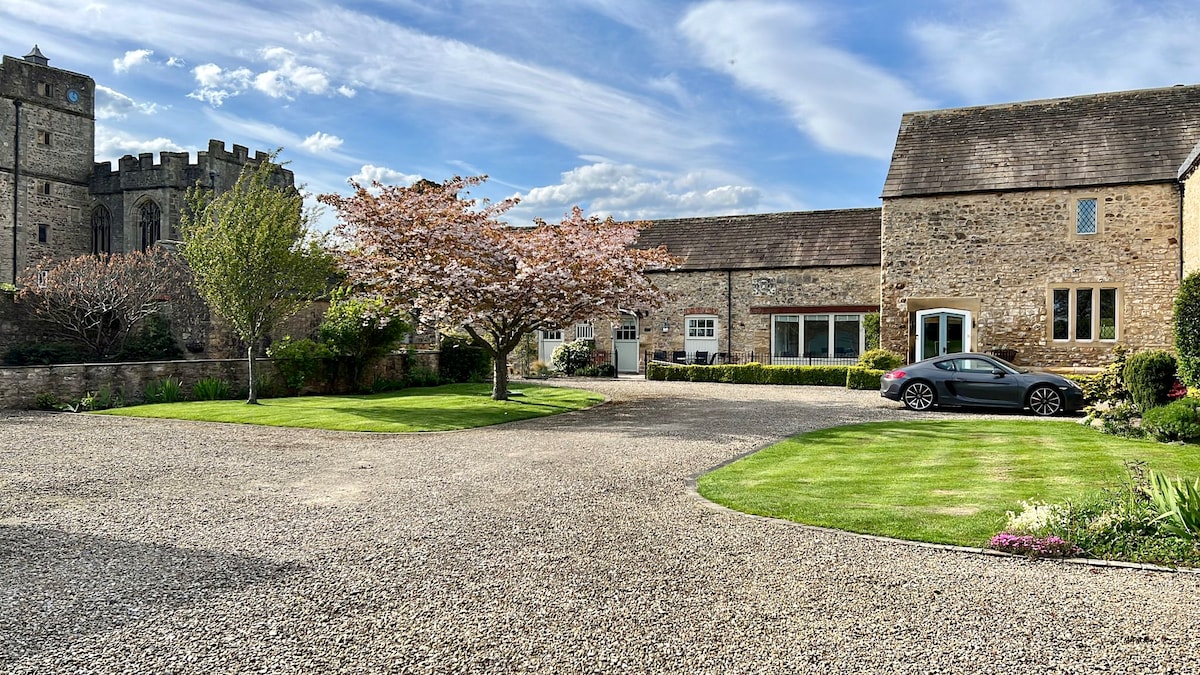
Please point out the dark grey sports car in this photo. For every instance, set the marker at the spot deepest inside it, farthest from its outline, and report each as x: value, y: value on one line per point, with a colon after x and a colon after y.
x: 979, y: 380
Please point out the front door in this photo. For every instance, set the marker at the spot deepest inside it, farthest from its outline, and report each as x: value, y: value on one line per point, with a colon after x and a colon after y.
x: 701, y: 336
x: 625, y: 342
x: 548, y: 341
x: 942, y: 331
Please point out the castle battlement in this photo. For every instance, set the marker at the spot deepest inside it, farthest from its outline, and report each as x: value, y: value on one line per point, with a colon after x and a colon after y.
x: 215, y: 167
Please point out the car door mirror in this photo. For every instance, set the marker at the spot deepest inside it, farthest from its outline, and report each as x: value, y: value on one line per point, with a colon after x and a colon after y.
x: 997, y: 372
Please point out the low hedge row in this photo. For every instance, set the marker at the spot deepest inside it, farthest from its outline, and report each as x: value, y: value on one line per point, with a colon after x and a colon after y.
x: 852, y: 377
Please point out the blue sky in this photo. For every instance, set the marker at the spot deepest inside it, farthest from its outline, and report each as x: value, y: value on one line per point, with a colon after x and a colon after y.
x: 630, y: 108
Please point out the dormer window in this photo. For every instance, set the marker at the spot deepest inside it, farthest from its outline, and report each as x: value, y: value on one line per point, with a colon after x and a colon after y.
x: 1087, y: 219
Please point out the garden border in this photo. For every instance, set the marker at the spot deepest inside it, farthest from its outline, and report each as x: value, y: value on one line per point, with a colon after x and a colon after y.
x: 690, y: 485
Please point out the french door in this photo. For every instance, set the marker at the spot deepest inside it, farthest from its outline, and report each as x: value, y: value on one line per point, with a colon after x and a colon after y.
x: 942, y: 331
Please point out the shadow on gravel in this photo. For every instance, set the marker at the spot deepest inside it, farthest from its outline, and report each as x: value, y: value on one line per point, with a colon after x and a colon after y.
x: 56, y: 586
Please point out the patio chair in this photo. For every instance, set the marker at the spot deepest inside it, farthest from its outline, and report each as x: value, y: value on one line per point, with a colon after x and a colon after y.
x: 701, y: 359
x: 679, y: 357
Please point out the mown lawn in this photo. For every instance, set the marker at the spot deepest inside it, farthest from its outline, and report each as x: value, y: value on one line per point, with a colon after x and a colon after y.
x: 444, y: 408
x: 947, y: 482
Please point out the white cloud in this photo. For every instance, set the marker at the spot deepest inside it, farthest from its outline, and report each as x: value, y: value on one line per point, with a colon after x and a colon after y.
x: 112, y: 104
x: 218, y: 84
x: 1025, y: 49
x: 348, y: 92
x: 111, y: 144
x: 311, y: 38
x: 289, y: 75
x: 133, y: 58
x: 778, y: 50
x: 628, y: 192
x: 321, y: 142
x: 176, y: 62
x: 369, y: 173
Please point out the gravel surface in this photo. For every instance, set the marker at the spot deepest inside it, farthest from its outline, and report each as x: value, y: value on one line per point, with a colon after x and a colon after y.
x: 564, y: 544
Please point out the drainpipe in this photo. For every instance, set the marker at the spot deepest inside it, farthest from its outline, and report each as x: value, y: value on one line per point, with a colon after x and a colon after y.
x: 16, y: 181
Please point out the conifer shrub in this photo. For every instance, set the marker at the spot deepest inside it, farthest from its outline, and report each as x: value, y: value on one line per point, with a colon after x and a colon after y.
x: 1149, y: 377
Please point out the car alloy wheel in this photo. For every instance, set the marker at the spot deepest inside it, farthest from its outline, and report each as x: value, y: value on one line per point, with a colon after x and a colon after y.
x: 918, y: 396
x: 1045, y: 401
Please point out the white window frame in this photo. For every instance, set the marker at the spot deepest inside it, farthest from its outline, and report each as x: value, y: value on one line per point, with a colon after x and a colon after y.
x: 831, y: 319
x: 585, y: 331
x: 696, y: 330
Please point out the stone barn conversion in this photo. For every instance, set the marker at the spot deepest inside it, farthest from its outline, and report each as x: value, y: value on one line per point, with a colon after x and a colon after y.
x: 781, y: 288
x: 1054, y: 228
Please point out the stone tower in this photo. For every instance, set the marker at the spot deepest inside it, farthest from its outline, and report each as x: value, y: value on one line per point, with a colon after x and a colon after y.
x: 47, y: 139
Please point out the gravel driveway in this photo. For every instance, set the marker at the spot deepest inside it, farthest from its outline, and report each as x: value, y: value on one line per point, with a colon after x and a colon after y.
x: 567, y: 544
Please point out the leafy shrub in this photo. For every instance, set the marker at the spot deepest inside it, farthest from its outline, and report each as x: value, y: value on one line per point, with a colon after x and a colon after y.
x: 1092, y: 386
x: 1186, y: 324
x: 358, y: 331
x: 153, y: 342
x: 871, y: 331
x: 863, y: 378
x: 597, y: 370
x: 163, y: 391
x: 298, y: 362
x: 211, y: 389
x: 99, y: 400
x: 570, y: 357
x: 1110, y: 386
x: 1176, y: 421
x: 1121, y: 419
x: 46, y: 401
x: 1149, y: 377
x: 753, y: 373
x: 43, y: 354
x: 880, y: 359
x: 461, y: 361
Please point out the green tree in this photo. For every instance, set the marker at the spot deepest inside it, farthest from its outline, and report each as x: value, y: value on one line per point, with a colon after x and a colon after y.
x: 1187, y: 329
x: 253, y: 255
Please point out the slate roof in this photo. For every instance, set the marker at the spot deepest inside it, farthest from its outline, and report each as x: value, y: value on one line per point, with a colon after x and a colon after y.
x: 1123, y: 137
x: 845, y: 237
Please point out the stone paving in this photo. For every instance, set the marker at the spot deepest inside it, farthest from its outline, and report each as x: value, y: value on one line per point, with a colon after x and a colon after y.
x: 564, y: 544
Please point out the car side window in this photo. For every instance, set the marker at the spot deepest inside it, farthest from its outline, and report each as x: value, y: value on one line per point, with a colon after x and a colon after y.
x: 974, y: 365
x: 944, y: 365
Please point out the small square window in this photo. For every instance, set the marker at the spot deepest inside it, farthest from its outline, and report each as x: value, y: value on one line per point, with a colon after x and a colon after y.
x: 44, y: 188
x: 43, y: 234
x: 43, y: 137
x: 45, y: 89
x: 1086, y: 221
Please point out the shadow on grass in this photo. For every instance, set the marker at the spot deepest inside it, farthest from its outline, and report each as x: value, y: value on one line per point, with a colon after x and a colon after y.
x: 59, y: 585
x: 441, y: 418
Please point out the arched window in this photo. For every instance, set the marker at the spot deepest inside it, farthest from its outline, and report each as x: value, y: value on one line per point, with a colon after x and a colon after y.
x: 150, y: 218
x: 101, y: 231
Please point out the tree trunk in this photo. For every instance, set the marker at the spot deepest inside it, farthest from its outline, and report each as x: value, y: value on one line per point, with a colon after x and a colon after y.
x: 500, y: 376
x: 252, y: 397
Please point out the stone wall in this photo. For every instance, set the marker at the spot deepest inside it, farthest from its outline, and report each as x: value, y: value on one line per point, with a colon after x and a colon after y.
x: 1000, y: 254
x: 20, y: 385
x: 1191, y: 222
x: 743, y: 301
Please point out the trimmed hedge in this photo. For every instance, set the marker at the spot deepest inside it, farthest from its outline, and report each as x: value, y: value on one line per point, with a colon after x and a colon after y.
x: 853, y: 377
